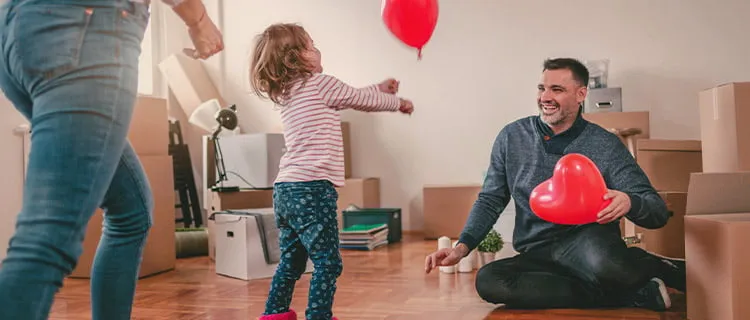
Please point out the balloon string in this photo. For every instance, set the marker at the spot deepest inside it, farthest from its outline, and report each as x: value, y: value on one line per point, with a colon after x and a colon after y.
x: 419, y: 54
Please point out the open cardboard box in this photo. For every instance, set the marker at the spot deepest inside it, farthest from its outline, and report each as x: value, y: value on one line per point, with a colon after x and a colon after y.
x: 669, y: 163
x: 717, y: 233
x: 668, y: 241
x: 623, y: 120
x: 723, y: 110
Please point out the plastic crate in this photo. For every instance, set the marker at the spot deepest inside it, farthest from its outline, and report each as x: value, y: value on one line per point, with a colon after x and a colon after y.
x: 389, y: 216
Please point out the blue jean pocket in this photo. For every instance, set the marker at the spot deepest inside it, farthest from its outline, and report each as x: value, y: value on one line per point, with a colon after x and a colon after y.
x: 138, y: 13
x: 50, y: 38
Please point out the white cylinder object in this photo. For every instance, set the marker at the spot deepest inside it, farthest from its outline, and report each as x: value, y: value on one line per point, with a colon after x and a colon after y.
x: 467, y: 263
x: 443, y: 243
x: 463, y: 265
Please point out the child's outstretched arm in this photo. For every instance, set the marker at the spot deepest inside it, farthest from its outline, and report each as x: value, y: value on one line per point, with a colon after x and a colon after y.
x: 340, y: 95
x: 373, y: 88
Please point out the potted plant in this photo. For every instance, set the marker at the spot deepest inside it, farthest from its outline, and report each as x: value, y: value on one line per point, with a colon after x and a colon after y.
x: 488, y: 248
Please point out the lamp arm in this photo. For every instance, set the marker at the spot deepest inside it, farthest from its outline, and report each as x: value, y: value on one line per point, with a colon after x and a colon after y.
x: 224, y: 119
x: 218, y: 156
x: 219, y: 162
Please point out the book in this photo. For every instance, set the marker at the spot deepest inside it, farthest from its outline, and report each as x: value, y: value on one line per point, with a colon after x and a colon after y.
x: 363, y: 236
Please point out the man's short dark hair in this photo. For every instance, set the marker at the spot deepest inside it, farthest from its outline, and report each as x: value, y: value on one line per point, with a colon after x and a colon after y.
x: 580, y: 72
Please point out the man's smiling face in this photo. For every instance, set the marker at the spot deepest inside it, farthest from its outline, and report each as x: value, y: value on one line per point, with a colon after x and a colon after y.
x: 559, y: 97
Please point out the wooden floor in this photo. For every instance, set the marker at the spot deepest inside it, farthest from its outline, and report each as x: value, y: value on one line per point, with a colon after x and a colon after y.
x: 388, y: 283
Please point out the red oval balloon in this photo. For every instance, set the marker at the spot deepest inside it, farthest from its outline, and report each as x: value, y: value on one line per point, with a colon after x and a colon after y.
x: 573, y: 195
x: 411, y: 21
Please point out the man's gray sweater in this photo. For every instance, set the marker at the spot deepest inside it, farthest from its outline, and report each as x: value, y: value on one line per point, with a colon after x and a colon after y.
x: 524, y: 155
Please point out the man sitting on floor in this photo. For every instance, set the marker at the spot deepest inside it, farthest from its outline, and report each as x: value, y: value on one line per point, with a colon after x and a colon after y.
x: 560, y: 266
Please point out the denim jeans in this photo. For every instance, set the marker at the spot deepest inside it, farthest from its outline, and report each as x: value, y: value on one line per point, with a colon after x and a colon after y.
x: 590, y: 268
x: 71, y: 68
x: 308, y: 228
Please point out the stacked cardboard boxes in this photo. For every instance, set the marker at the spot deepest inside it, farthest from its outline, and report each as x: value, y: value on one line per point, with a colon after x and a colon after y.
x: 717, y: 224
x: 668, y: 164
x: 149, y: 136
x: 711, y: 221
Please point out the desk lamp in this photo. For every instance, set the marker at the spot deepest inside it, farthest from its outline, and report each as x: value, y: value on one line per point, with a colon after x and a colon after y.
x: 212, y: 118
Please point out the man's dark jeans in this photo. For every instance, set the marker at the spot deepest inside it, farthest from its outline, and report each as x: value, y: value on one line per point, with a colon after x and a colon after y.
x: 590, y: 268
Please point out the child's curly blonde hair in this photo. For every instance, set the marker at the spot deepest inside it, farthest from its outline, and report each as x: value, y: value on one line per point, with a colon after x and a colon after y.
x: 278, y: 60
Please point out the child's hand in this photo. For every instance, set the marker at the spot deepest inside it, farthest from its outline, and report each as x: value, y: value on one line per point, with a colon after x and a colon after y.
x: 389, y: 86
x: 406, y: 107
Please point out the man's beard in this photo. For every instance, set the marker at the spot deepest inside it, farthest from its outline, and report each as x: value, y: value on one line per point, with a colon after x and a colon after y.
x: 556, y: 118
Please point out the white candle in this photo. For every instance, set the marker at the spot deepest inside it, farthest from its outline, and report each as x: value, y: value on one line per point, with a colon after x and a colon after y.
x: 467, y: 263
x: 443, y: 243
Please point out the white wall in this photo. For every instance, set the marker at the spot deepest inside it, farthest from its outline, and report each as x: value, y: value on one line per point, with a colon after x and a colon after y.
x: 480, y: 70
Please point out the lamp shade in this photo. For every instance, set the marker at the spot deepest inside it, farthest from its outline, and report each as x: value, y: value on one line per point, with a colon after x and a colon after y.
x: 204, y: 116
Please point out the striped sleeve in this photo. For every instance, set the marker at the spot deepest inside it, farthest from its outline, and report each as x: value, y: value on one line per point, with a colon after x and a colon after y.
x: 340, y: 95
x: 372, y: 88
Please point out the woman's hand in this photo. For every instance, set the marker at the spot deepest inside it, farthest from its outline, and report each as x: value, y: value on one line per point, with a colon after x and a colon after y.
x: 206, y: 38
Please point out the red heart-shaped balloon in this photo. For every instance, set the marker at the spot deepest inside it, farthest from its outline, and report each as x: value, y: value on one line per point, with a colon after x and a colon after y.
x: 411, y: 21
x: 574, y: 194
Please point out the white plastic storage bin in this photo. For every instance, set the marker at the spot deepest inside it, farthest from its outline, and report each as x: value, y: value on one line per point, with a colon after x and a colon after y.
x: 247, y: 244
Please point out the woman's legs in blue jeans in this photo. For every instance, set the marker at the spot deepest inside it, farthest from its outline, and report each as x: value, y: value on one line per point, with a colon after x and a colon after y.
x: 72, y: 71
x: 127, y: 219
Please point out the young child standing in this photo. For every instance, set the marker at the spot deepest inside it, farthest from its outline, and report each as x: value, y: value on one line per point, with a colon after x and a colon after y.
x: 286, y: 69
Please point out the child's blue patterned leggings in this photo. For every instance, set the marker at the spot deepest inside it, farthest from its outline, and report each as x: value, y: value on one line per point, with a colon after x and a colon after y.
x: 306, y: 218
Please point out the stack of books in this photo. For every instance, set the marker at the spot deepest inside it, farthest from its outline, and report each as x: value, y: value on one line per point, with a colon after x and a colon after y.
x: 363, y: 236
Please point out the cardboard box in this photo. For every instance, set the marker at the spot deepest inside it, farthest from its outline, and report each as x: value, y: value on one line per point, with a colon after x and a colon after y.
x: 717, y: 231
x: 718, y: 192
x: 159, y: 252
x: 361, y: 192
x: 718, y: 268
x: 347, y: 137
x: 149, y: 128
x: 623, y: 120
x: 724, y: 111
x: 668, y: 241
x: 446, y: 208
x: 189, y: 81
x: 669, y: 163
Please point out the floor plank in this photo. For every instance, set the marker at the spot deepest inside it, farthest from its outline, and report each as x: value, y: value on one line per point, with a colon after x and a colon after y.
x: 388, y: 283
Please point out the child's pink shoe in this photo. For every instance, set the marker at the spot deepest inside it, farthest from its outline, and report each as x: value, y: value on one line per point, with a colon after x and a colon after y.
x: 289, y: 315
